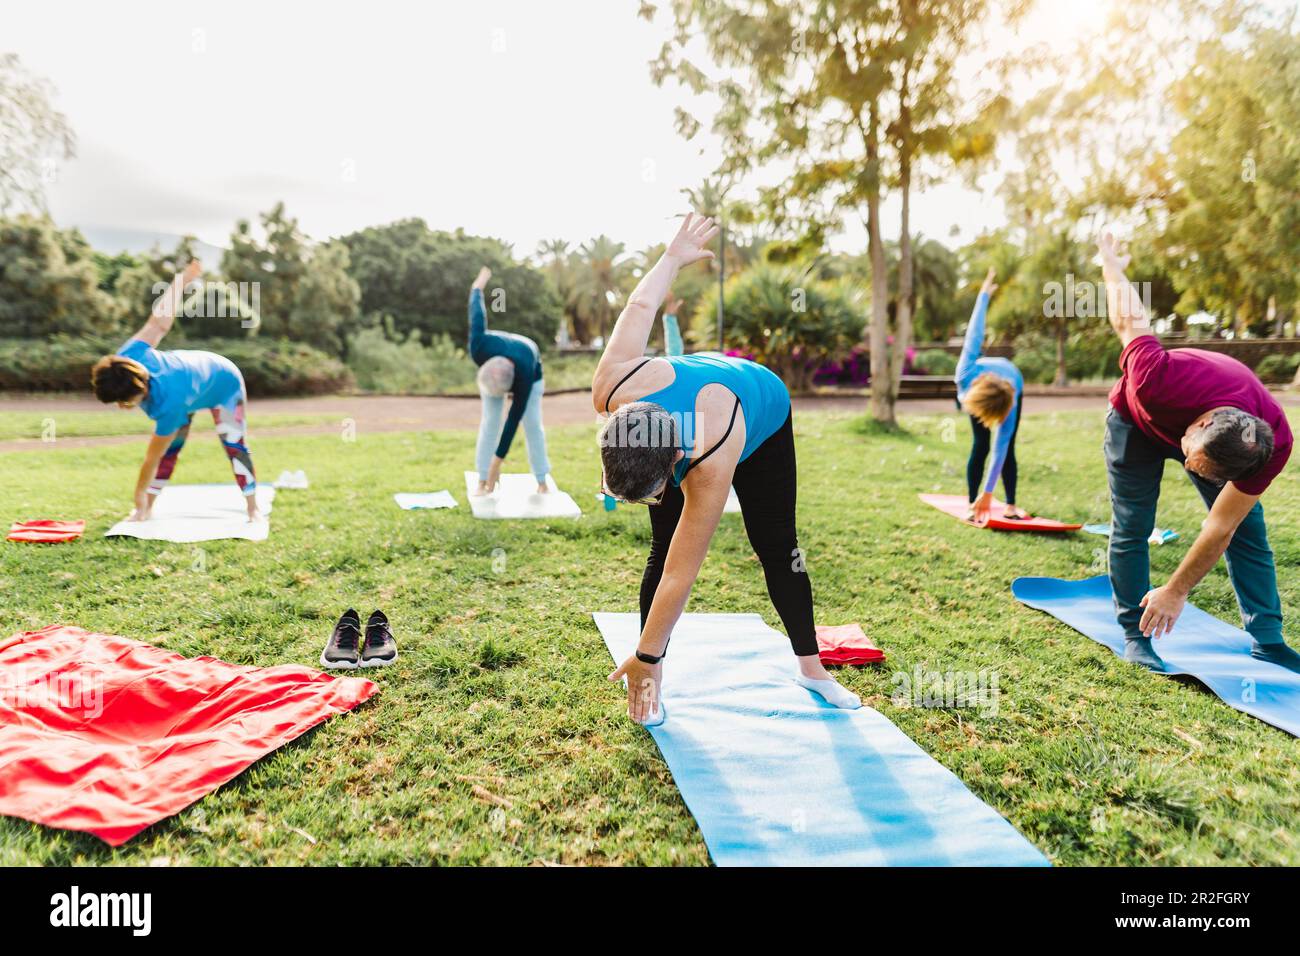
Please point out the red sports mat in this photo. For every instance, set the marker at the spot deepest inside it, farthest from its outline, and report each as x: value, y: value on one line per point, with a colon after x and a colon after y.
x: 957, y: 505
x: 109, y: 735
x: 46, y: 531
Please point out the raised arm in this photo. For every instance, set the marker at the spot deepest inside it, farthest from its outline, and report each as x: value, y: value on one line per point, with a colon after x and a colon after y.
x: 163, y: 313
x: 632, y: 330
x: 477, y: 314
x: 1128, y: 316
x: 672, y: 333
x: 973, y: 345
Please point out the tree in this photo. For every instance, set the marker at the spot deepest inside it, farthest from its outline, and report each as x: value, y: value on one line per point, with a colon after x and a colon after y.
x: 1233, y: 234
x: 835, y: 90
x: 556, y: 263
x: 138, y: 286
x: 599, y: 285
x: 110, y: 269
x: 421, y: 278
x: 327, y: 301
x: 276, y: 261
x: 34, y: 137
x: 48, y: 282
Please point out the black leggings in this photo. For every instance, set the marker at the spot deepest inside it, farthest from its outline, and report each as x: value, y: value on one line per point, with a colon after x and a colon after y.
x: 765, y: 483
x: 979, y: 453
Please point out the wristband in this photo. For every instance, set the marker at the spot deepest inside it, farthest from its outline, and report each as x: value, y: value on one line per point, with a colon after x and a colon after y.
x: 645, y: 658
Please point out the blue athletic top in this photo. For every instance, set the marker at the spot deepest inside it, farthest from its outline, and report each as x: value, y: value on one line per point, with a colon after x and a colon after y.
x: 971, y: 366
x: 763, y: 398
x: 522, y: 351
x: 182, y: 382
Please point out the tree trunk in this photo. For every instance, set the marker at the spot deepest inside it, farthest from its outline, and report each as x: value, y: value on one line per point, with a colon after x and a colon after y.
x: 1062, y: 376
x: 903, y: 310
x: 882, y: 389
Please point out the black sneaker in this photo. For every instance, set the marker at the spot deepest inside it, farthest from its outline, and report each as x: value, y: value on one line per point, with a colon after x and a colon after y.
x: 341, y: 650
x: 380, y: 649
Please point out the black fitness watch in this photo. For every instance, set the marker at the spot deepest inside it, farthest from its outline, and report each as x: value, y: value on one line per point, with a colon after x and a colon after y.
x: 645, y: 658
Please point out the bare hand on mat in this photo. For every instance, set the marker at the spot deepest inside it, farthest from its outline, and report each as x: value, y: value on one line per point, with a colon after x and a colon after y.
x: 643, y: 682
x: 982, y: 509
x: 1163, y: 605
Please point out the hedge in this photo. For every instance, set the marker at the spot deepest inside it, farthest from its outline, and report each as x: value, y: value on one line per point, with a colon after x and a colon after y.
x: 270, y: 367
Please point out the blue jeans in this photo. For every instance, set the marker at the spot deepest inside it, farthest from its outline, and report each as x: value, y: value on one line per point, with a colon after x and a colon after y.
x: 1135, y: 464
x: 489, y: 433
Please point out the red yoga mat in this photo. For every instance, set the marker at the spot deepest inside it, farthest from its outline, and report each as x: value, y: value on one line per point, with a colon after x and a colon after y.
x: 846, y: 644
x: 109, y: 735
x: 46, y: 531
x: 957, y: 506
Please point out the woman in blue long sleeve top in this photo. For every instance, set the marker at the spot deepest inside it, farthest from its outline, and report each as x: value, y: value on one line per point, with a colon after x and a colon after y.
x: 508, y: 364
x: 990, y: 390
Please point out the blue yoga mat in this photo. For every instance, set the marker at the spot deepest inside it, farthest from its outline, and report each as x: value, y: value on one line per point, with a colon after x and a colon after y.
x: 1214, y: 652
x: 776, y: 777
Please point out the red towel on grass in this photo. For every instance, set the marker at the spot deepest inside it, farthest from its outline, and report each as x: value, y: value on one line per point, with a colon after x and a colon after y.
x: 45, y: 531
x: 109, y: 735
x: 846, y: 644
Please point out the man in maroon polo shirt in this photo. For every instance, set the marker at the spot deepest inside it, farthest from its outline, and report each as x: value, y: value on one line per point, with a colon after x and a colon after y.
x: 1211, y: 414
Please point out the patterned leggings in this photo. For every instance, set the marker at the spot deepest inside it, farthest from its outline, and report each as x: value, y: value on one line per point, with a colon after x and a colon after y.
x: 232, y: 430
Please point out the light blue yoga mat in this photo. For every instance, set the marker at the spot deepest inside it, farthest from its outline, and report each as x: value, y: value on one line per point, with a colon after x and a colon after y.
x: 1214, y: 652
x: 776, y: 777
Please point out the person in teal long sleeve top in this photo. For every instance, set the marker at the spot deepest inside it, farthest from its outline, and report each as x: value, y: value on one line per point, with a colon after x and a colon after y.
x: 508, y: 364
x: 672, y: 334
x: 990, y: 390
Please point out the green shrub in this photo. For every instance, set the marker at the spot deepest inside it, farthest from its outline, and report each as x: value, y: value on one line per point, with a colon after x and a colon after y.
x: 406, y: 366
x: 280, y: 367
x: 785, y: 319
x: 270, y: 367
x: 1278, y: 369
x: 935, y: 362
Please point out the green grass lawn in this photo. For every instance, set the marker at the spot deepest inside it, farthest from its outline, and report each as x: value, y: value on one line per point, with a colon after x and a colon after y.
x: 66, y: 424
x: 501, y: 684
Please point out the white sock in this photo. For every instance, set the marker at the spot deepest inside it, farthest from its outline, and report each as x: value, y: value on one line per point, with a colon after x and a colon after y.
x: 831, y: 692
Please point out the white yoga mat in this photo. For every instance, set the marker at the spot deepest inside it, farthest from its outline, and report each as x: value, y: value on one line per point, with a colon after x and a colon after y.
x: 517, y: 497
x: 409, y: 501
x: 732, y: 507
x: 189, y: 513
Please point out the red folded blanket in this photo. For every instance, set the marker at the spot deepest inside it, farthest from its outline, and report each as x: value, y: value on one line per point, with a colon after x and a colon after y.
x: 846, y: 644
x: 45, y: 531
x: 109, y: 735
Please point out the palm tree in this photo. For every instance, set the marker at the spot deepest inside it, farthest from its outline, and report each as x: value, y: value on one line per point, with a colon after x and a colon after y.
x: 599, y: 282
x: 711, y: 200
x: 555, y: 257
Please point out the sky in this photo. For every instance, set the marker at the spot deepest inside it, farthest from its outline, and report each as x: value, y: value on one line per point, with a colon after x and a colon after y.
x: 521, y: 119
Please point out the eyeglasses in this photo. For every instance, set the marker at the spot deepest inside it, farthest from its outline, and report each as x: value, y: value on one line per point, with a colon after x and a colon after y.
x: 650, y: 500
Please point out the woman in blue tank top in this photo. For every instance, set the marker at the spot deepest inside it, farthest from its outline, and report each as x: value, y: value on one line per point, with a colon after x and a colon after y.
x: 170, y: 387
x: 683, y: 430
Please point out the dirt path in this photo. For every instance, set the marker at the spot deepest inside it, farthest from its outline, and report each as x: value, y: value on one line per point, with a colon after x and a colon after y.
x: 397, y: 413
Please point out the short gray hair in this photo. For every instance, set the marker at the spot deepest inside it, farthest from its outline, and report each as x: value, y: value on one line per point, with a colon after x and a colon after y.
x: 496, y: 376
x: 1237, y: 444
x: 638, y: 446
